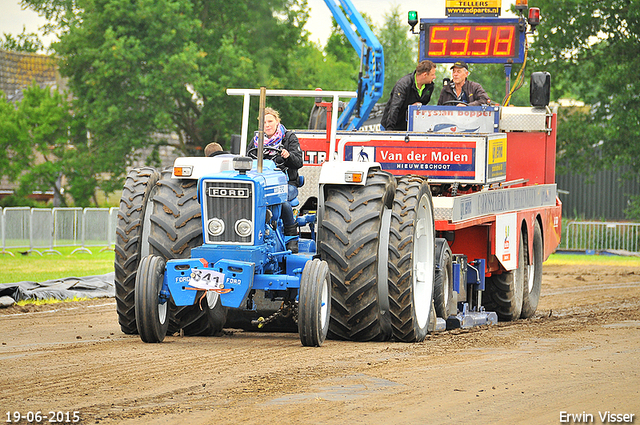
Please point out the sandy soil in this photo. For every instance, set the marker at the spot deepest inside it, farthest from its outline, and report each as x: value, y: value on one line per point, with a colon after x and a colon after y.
x: 580, y: 354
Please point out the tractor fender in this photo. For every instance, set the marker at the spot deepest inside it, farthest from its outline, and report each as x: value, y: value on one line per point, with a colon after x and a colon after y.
x: 335, y: 172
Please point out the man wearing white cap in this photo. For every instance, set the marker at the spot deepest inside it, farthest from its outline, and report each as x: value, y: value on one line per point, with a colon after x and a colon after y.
x: 460, y: 91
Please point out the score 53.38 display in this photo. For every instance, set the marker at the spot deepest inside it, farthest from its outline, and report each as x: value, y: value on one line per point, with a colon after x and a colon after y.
x: 478, y: 40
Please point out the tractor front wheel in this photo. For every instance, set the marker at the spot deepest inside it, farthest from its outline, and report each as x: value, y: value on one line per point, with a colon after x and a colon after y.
x: 314, y: 304
x: 152, y: 314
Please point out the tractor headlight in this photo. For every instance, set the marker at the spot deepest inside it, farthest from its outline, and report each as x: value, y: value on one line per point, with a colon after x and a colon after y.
x: 215, y: 226
x: 242, y: 164
x: 244, y: 228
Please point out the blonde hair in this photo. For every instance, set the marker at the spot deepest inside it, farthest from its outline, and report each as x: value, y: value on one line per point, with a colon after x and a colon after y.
x: 271, y: 111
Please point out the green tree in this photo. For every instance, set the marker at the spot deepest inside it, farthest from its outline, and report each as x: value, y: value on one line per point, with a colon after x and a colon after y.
x: 138, y: 68
x: 14, y: 151
x: 142, y: 67
x: 23, y: 42
x: 492, y: 77
x: 311, y: 69
x: 400, y: 49
x: 339, y: 48
x: 34, y: 139
x: 592, y: 50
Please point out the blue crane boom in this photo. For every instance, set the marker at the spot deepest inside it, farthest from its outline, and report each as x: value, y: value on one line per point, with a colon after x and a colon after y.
x: 371, y: 75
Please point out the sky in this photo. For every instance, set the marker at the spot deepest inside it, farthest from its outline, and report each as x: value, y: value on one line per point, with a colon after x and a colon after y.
x: 319, y: 23
x: 13, y: 17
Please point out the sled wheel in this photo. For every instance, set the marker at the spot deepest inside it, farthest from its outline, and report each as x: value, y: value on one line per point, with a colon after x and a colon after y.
x: 503, y: 293
x: 443, y: 296
x: 132, y: 242
x: 411, y: 260
x: 353, y: 241
x: 533, y: 276
x: 152, y: 316
x: 314, y: 304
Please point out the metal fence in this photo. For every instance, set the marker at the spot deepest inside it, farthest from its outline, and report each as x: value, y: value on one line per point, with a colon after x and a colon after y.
x: 601, y: 236
x: 41, y: 230
x: 603, y: 196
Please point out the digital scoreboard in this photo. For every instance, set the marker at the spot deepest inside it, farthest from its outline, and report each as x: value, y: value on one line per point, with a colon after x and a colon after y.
x: 477, y: 40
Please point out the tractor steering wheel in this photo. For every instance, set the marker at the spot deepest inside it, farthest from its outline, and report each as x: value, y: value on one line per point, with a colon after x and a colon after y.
x: 273, y: 153
x: 455, y: 102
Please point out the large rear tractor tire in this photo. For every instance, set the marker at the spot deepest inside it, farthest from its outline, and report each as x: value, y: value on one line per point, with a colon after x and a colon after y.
x: 314, y: 306
x: 533, y: 276
x: 349, y: 234
x: 132, y: 241
x: 503, y: 292
x: 175, y: 229
x: 152, y: 315
x: 411, y: 260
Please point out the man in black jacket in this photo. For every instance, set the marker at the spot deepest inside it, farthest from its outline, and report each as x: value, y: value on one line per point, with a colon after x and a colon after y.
x: 460, y: 91
x: 412, y: 89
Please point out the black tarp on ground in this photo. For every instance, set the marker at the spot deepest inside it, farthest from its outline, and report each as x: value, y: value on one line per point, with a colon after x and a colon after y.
x: 82, y: 287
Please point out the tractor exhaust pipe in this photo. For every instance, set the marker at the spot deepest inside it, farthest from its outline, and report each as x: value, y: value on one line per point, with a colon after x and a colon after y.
x: 263, y: 101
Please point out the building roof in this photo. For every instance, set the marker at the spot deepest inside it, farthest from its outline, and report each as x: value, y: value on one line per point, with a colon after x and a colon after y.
x: 18, y: 70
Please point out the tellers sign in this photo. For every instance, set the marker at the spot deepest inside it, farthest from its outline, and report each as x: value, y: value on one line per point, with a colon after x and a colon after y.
x: 473, y: 8
x: 477, y: 40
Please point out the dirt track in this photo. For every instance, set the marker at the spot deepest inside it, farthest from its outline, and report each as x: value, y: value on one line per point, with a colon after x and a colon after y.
x: 579, y: 354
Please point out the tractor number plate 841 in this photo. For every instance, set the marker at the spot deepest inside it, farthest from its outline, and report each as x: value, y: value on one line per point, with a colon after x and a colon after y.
x: 206, y: 279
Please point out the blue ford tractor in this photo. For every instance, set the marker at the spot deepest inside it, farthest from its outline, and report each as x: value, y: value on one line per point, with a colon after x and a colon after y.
x: 243, y: 254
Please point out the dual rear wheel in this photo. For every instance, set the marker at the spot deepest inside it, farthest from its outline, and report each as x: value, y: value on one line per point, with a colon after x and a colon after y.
x: 411, y: 260
x: 351, y: 230
x: 378, y: 240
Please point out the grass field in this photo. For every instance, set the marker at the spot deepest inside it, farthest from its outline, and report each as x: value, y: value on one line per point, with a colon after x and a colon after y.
x: 605, y: 260
x: 33, y: 267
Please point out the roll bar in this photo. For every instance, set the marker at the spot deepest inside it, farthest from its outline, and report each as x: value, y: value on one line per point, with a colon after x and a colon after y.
x: 247, y: 93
